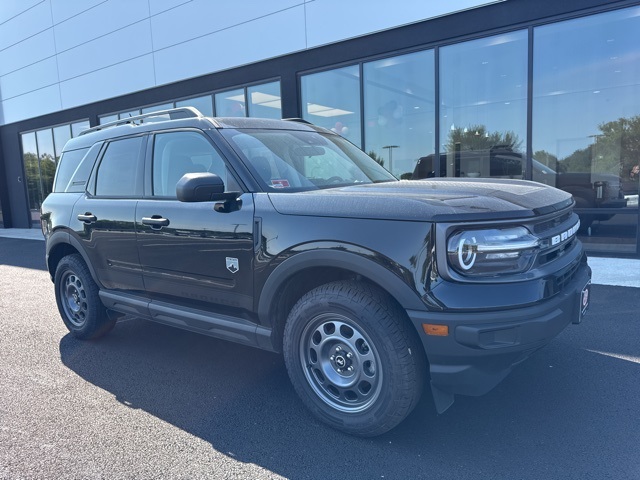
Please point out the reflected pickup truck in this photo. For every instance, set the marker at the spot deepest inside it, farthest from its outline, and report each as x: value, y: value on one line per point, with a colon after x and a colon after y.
x: 284, y: 236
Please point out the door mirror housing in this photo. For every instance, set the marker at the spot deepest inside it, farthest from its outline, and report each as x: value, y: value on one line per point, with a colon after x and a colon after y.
x: 202, y: 187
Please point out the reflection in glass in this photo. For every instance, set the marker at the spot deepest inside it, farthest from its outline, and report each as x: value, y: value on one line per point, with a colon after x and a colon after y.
x: 108, y: 118
x: 47, y: 157
x: 157, y: 108
x: 78, y: 127
x: 61, y: 135
x: 264, y: 100
x: 332, y: 100
x: 203, y: 104
x: 586, y: 118
x: 231, y: 103
x: 32, y: 172
x: 399, y: 96
x: 131, y: 113
x: 483, y: 111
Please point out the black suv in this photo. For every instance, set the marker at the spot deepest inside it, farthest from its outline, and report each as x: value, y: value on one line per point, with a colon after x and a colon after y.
x: 284, y: 236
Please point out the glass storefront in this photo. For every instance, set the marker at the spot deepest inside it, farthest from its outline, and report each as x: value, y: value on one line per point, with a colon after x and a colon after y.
x: 231, y: 103
x: 264, y: 101
x: 332, y: 100
x: 586, y: 121
x: 41, y: 151
x: 483, y: 107
x: 399, y: 108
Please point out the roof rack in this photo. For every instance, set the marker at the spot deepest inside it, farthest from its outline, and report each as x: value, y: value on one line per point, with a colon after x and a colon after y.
x: 298, y: 120
x: 173, y: 114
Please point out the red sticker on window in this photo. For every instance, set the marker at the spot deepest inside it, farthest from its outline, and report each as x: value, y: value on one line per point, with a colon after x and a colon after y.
x: 284, y: 183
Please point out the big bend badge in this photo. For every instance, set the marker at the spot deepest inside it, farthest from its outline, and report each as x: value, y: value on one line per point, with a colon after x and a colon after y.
x: 232, y: 264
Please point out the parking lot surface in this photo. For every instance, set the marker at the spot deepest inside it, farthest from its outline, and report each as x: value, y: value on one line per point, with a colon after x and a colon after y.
x: 149, y: 401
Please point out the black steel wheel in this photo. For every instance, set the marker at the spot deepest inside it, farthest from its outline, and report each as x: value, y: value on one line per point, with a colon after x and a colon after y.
x: 353, y: 358
x: 78, y: 302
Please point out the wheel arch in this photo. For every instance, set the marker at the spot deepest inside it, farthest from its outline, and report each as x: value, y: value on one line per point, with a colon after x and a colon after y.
x: 60, y: 244
x: 306, y: 270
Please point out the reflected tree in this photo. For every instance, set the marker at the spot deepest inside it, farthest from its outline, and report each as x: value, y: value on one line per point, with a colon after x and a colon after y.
x: 477, y: 137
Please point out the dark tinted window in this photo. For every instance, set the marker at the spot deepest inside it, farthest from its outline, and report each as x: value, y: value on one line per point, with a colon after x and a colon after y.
x: 119, y: 172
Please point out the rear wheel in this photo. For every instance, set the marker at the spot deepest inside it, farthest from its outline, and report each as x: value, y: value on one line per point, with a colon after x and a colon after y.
x: 353, y: 358
x: 78, y: 302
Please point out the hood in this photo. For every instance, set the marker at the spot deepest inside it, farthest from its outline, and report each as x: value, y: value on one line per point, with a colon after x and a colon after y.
x: 439, y: 200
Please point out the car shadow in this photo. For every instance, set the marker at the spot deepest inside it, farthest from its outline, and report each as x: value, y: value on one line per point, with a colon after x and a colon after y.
x: 567, y: 412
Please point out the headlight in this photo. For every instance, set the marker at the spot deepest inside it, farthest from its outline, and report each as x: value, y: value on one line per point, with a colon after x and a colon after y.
x: 491, y: 252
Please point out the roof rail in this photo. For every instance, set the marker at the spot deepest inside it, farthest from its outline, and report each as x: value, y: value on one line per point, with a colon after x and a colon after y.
x: 298, y: 120
x: 173, y: 114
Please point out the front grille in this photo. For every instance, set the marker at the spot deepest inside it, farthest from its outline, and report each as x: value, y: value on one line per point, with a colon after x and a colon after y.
x: 542, y: 227
x: 559, y: 281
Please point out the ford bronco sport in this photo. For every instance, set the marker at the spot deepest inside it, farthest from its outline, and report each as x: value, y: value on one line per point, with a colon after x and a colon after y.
x: 284, y: 236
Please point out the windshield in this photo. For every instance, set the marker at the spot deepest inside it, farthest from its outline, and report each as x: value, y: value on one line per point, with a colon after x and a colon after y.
x: 288, y: 160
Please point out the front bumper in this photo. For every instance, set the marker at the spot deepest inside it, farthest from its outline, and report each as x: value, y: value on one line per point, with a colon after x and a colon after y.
x: 483, y: 347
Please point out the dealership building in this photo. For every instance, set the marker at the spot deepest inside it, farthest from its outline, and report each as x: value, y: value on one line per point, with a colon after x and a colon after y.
x: 543, y: 90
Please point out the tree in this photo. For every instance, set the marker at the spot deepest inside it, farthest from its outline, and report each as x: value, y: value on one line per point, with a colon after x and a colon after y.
x: 376, y: 157
x: 476, y: 137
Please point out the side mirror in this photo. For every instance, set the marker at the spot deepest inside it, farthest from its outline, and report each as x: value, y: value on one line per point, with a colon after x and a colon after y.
x: 202, y: 187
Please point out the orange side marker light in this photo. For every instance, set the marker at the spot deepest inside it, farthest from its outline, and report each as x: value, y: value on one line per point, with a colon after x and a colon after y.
x: 437, y: 330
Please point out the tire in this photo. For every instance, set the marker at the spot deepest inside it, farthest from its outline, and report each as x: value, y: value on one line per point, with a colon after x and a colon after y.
x: 353, y: 358
x: 78, y: 302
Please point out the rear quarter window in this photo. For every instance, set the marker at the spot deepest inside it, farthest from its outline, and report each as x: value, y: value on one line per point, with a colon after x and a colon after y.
x: 74, y: 169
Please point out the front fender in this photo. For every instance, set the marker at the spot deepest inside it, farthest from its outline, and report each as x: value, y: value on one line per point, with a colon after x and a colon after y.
x: 358, y: 263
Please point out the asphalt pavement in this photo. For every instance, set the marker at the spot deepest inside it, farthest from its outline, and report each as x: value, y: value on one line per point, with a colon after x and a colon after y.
x: 149, y: 401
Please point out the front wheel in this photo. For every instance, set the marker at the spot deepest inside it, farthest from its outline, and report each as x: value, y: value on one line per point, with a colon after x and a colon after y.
x: 78, y: 302
x: 353, y: 358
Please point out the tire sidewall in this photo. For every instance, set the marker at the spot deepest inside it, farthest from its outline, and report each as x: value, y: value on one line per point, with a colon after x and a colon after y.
x: 384, y: 408
x: 96, y: 322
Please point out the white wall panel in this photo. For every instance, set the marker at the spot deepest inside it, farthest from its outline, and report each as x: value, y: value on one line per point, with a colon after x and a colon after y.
x: 103, y: 19
x: 33, y: 77
x: 105, y: 51
x: 201, y: 17
x: 249, y: 42
x: 64, y: 9
x: 334, y: 20
x: 29, y: 51
x: 11, y: 8
x: 159, y: 6
x: 39, y: 102
x: 126, y: 77
x: 26, y: 24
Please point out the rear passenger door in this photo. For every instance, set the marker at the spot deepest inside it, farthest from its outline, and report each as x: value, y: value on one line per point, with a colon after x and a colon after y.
x: 190, y: 253
x: 104, y: 217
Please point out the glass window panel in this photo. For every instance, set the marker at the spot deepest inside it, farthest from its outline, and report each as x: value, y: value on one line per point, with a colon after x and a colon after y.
x: 78, y: 127
x: 203, y: 104
x: 231, y: 103
x: 47, y: 157
x: 483, y: 110
x: 265, y: 100
x: 131, y: 113
x: 32, y: 172
x: 399, y: 111
x: 332, y: 100
x: 61, y: 135
x: 176, y: 154
x: 586, y: 119
x: 119, y: 171
x: 157, y: 108
x: 108, y: 118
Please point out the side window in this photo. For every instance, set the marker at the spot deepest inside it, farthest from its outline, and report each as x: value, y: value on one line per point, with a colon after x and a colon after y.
x: 119, y: 172
x: 68, y: 163
x: 177, y: 153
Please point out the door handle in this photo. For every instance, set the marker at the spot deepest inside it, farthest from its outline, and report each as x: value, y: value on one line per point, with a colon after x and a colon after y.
x: 87, y: 217
x: 156, y: 221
